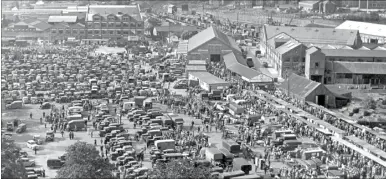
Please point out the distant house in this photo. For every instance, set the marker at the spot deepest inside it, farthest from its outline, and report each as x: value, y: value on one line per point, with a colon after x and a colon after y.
x: 29, y: 30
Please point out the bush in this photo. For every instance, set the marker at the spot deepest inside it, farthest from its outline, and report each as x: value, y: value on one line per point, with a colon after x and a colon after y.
x: 366, y: 113
x: 355, y: 110
x: 369, y: 103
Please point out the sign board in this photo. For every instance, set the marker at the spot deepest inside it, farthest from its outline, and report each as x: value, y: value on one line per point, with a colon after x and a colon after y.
x: 132, y: 38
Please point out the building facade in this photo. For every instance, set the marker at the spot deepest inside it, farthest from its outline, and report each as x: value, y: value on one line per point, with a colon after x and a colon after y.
x: 362, y: 4
x: 114, y: 22
x: 370, y: 32
x: 61, y: 32
x: 340, y: 66
x: 30, y: 31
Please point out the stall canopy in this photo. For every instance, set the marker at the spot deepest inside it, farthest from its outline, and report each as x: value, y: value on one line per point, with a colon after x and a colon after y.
x: 108, y: 50
x: 246, y: 73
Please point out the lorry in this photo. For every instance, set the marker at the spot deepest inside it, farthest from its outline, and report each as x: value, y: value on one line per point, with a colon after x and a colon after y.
x: 139, y: 101
x: 214, y: 155
x: 242, y: 164
x: 232, y: 146
x: 215, y: 95
x: 77, y: 125
x: 165, y: 144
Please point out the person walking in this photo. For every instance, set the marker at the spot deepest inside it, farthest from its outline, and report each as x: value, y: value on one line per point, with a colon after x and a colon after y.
x: 30, y: 115
x: 35, y: 149
x: 69, y: 135
x: 62, y: 132
x: 95, y: 142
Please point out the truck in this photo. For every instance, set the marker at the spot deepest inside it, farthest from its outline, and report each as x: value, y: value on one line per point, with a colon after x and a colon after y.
x: 139, y: 101
x: 215, y: 95
x: 232, y: 146
x: 177, y: 120
x: 77, y: 125
x: 165, y: 144
x: 213, y: 155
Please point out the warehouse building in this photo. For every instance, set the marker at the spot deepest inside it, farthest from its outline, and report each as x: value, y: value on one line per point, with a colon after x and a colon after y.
x: 303, y: 89
x: 211, y: 45
x: 370, y: 32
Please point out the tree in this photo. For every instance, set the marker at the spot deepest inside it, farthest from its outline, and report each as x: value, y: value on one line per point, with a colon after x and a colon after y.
x: 11, y: 166
x: 177, y: 169
x: 83, y: 161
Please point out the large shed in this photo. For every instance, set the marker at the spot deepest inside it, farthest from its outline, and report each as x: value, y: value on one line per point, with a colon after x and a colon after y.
x: 208, y: 81
x: 304, y: 90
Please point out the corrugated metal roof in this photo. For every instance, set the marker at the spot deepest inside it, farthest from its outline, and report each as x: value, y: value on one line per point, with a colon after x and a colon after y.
x: 354, y: 53
x: 233, y: 65
x: 69, y: 19
x: 208, y: 78
x: 299, y: 85
x: 378, y: 68
x: 209, y: 34
x: 197, y: 62
x: 291, y: 44
x: 364, y: 28
x: 179, y: 28
x: 104, y: 10
x: 195, y: 68
x: 314, y: 35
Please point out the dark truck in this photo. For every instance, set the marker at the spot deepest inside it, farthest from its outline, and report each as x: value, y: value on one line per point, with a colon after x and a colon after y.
x: 215, y: 95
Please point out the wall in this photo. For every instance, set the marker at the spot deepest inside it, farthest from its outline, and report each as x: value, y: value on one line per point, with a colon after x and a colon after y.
x: 357, y: 59
x: 204, y: 52
x: 310, y: 67
x: 367, y: 38
x: 322, y: 90
x: 290, y: 59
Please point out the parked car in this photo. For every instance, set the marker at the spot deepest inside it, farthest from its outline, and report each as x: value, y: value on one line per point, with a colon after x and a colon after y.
x: 27, y: 162
x: 32, y: 144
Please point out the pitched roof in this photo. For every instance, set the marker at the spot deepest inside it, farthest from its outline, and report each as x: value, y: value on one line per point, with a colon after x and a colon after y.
x: 179, y: 28
x: 41, y: 25
x: 364, y: 27
x: 103, y: 10
x: 195, y: 68
x: 197, y: 62
x: 209, y: 34
x: 360, y: 67
x: 291, y: 44
x: 208, y: 78
x: 70, y: 19
x: 314, y: 35
x: 354, y: 53
x: 232, y: 64
x: 299, y: 85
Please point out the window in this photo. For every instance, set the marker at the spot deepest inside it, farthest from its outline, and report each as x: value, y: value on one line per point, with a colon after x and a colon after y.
x: 104, y: 31
x: 74, y: 31
x: 348, y: 75
x: 125, y: 24
x: 68, y: 31
x: 125, y: 18
x: 329, y: 79
x: 118, y: 24
x: 111, y: 24
x: 303, y: 59
x: 132, y: 24
x: 60, y: 31
x: 139, y: 25
x: 53, y: 31
x: 111, y: 32
x: 96, y: 31
x: 97, y: 24
x: 90, y: 25
x: 81, y: 31
x: 340, y: 75
x: 118, y: 32
x: 287, y: 59
x: 316, y: 64
x: 89, y: 31
x: 126, y: 32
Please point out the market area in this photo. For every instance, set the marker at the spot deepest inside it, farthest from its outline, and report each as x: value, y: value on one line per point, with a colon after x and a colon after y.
x: 145, y: 104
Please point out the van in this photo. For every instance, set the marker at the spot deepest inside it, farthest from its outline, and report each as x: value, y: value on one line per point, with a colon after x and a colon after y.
x: 54, y: 163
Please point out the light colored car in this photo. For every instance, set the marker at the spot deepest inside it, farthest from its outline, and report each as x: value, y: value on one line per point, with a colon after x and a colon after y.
x: 27, y: 162
x: 32, y: 144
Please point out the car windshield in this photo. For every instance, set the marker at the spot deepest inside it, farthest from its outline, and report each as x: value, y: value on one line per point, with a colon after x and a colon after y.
x: 32, y: 142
